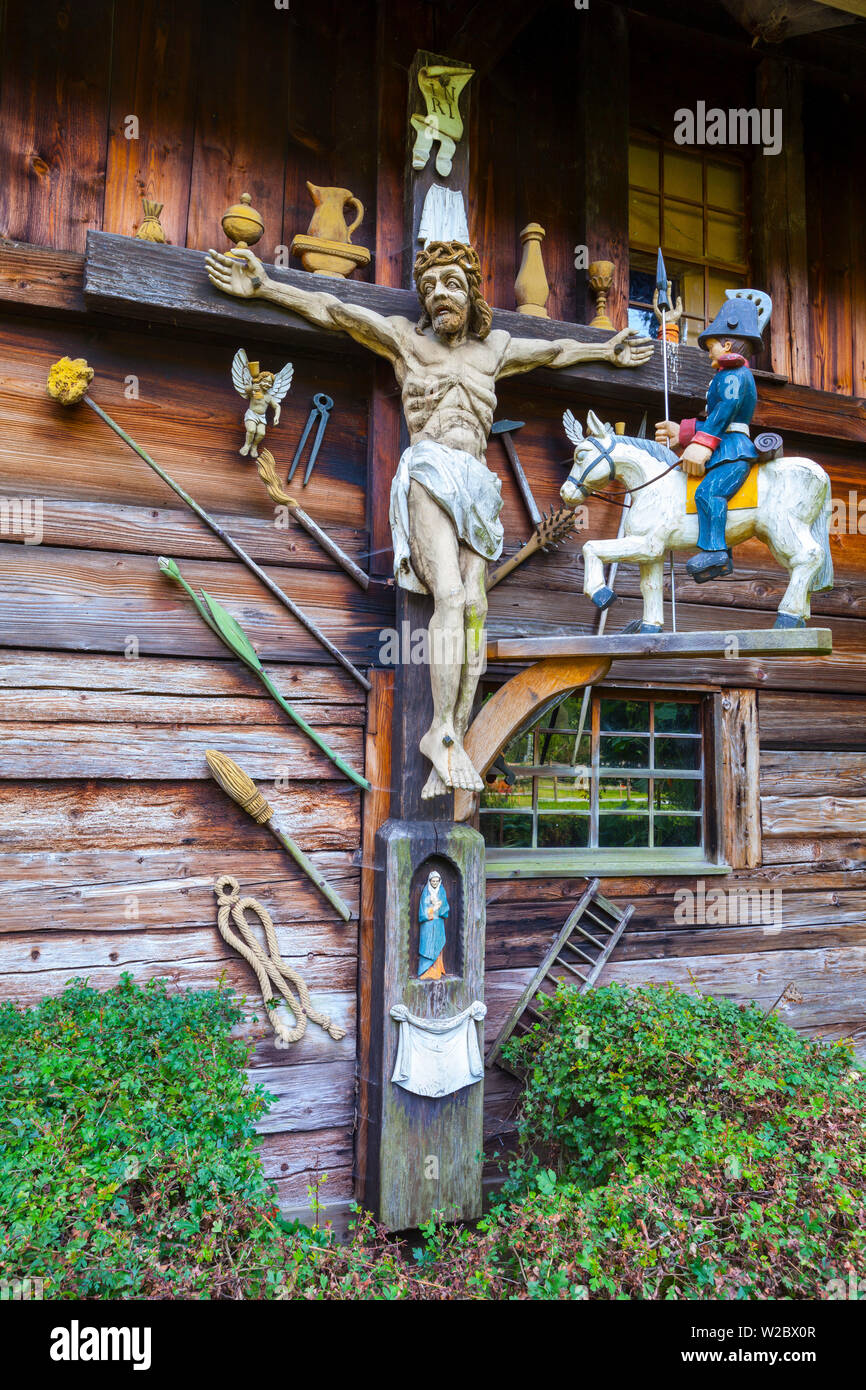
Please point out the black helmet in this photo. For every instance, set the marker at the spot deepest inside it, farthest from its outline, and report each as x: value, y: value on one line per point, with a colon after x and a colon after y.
x: 744, y: 314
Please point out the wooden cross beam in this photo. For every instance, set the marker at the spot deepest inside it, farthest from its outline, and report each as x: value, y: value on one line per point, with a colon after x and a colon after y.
x: 168, y: 284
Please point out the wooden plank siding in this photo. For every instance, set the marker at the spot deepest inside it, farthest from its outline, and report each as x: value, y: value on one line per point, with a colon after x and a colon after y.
x: 111, y: 830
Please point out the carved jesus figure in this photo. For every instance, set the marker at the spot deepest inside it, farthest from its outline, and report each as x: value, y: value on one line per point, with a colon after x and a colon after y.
x: 445, y: 502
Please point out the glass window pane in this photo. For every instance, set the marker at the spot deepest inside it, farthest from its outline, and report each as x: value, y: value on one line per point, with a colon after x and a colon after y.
x: 519, y: 750
x: 506, y: 831
x: 691, y: 287
x: 683, y: 176
x: 564, y: 794
x: 683, y: 228
x: 643, y: 321
x: 677, y: 832
x: 623, y: 832
x: 623, y: 794
x: 725, y: 185
x: 563, y: 749
x: 643, y: 164
x: 677, y: 794
x: 643, y: 218
x: 499, y: 796
x: 678, y: 753
x: 563, y: 832
x: 725, y: 237
x: 641, y: 284
x: 566, y: 715
x: 623, y: 752
x: 719, y: 281
x: 677, y: 718
x: 626, y: 716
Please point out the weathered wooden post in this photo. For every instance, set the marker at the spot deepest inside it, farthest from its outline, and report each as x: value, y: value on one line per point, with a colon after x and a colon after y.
x: 423, y: 1085
x: 424, y: 1151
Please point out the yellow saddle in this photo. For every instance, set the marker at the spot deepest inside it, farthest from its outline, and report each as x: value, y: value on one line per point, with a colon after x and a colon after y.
x: 745, y: 496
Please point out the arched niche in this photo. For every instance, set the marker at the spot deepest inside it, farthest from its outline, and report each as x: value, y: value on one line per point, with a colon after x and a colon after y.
x: 452, y: 882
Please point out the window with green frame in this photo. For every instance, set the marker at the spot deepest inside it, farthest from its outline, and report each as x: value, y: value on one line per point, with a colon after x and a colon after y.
x: 693, y: 205
x: 633, y: 780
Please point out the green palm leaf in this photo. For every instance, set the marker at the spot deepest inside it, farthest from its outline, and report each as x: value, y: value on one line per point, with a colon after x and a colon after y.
x: 231, y: 632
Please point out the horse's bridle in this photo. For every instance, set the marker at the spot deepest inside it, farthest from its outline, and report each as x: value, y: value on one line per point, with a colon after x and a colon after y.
x: 603, y: 453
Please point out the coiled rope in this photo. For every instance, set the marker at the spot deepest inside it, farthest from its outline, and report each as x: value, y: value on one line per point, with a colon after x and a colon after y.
x: 270, y: 969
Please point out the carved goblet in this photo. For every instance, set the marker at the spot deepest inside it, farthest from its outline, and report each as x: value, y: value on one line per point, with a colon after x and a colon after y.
x: 600, y: 274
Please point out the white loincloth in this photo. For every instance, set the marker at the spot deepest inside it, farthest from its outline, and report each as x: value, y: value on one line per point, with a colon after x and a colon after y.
x: 436, y: 1057
x: 463, y: 486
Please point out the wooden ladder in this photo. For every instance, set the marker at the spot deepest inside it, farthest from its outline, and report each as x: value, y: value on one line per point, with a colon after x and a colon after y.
x: 599, y: 924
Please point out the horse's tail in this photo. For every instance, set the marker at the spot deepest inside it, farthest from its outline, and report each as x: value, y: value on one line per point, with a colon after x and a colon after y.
x: 820, y: 530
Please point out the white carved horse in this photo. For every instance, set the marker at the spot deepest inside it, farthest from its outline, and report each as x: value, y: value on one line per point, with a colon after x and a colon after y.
x: 792, y: 518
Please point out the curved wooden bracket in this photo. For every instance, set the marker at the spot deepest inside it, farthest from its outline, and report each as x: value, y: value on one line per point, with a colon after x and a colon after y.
x: 515, y: 703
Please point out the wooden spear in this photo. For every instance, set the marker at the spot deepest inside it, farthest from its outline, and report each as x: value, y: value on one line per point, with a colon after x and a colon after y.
x: 68, y: 381
x: 242, y: 789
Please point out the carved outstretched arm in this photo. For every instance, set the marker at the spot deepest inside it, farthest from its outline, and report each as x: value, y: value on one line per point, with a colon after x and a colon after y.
x: 624, y: 350
x: 247, y: 279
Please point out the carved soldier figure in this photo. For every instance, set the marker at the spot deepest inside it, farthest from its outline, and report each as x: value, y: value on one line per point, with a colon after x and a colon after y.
x: 445, y: 502
x: 719, y: 449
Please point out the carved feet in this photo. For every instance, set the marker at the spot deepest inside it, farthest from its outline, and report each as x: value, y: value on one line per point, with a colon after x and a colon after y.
x: 453, y: 769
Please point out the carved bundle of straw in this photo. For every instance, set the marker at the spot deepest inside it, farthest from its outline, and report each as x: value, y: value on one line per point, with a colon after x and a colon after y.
x: 151, y: 228
x: 239, y: 786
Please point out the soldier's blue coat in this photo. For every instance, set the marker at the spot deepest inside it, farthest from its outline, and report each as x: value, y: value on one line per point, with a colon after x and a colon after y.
x: 731, y: 399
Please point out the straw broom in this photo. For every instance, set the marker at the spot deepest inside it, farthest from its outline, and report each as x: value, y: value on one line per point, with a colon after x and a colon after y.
x: 242, y: 789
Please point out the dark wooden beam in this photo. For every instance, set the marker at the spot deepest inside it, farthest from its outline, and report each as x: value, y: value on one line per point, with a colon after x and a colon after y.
x: 602, y: 120
x: 779, y: 191
x: 38, y: 278
x: 490, y: 29
x: 167, y: 284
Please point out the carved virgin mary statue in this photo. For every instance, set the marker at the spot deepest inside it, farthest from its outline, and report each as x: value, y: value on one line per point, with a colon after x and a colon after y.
x: 432, y: 911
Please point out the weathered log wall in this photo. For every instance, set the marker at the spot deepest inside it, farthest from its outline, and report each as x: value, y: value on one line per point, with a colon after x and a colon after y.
x: 111, y: 690
x: 112, y: 832
x: 101, y: 102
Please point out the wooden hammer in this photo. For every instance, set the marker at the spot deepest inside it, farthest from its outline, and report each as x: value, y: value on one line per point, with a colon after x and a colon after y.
x: 505, y: 429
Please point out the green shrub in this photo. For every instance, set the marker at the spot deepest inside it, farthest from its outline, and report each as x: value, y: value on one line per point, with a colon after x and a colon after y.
x: 671, y: 1147
x: 128, y: 1165
x: 703, y: 1149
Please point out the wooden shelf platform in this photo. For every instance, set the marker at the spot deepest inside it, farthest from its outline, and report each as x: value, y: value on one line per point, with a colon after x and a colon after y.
x: 817, y: 641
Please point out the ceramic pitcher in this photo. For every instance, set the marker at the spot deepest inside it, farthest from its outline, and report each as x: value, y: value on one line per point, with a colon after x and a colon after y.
x: 328, y: 221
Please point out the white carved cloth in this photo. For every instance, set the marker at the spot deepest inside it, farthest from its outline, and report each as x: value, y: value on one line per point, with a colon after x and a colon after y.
x: 463, y: 486
x: 443, y: 217
x: 436, y: 1056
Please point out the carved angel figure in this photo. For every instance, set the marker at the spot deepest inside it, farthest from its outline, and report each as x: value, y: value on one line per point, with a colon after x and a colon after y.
x: 261, y: 389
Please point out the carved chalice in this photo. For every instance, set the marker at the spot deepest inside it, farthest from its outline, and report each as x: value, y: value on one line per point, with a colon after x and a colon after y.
x: 600, y: 274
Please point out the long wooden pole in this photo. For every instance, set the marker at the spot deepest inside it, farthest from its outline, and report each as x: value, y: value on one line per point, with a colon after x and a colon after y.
x: 232, y: 544
x: 269, y: 476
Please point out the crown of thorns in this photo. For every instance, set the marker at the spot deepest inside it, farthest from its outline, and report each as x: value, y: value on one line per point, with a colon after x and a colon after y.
x: 439, y: 253
x: 457, y: 253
